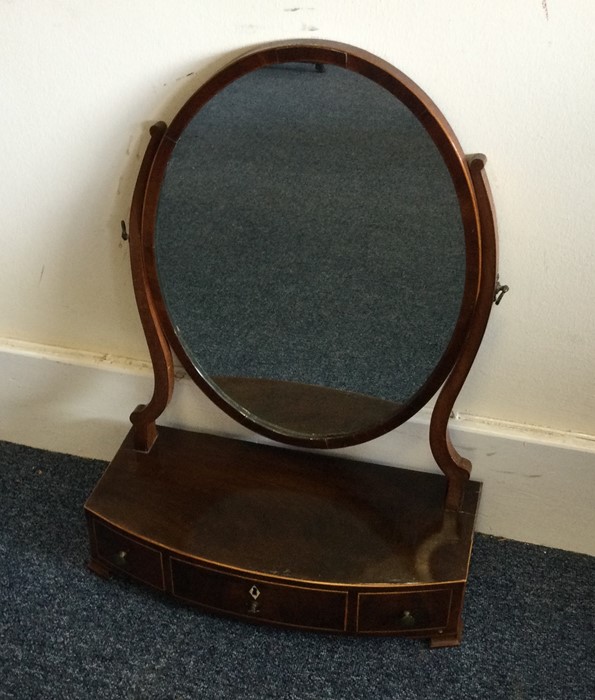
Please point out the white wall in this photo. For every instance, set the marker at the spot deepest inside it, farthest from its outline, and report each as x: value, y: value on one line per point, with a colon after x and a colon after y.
x: 81, y: 81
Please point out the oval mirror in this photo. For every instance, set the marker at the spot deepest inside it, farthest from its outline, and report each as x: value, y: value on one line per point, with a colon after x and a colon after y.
x: 315, y: 244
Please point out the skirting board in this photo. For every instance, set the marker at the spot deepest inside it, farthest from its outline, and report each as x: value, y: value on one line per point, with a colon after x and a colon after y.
x: 538, y: 486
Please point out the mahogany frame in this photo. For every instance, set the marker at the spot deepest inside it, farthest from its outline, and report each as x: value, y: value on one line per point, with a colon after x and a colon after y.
x: 474, y: 196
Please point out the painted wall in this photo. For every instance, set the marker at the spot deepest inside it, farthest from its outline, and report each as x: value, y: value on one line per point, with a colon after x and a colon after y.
x: 82, y: 80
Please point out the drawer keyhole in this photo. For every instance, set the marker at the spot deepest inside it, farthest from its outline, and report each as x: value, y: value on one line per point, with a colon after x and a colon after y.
x: 254, y: 606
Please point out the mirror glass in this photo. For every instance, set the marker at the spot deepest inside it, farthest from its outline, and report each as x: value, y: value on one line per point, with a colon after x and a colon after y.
x: 310, y: 249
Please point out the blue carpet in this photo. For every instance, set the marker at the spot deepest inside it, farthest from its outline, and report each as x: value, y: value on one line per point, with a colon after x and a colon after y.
x: 65, y: 633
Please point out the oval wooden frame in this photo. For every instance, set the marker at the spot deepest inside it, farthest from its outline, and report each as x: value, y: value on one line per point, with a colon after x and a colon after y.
x: 472, y: 189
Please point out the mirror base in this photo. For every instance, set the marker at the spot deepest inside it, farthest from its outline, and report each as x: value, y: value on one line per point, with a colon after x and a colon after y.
x: 290, y: 538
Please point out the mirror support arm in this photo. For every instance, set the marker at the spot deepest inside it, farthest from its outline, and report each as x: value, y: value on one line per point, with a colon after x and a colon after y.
x: 144, y: 416
x: 457, y: 469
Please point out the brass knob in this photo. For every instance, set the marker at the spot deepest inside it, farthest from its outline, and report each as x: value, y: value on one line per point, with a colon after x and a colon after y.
x: 120, y: 558
x: 407, y: 619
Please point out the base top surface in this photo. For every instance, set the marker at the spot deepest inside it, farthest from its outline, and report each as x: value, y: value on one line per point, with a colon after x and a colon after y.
x: 285, y: 513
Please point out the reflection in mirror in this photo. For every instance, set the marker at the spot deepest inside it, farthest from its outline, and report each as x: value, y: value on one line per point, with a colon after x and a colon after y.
x: 309, y: 232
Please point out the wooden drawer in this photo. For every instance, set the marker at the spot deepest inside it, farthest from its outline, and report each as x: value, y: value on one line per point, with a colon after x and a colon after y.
x: 404, y: 611
x: 121, y: 552
x: 294, y: 605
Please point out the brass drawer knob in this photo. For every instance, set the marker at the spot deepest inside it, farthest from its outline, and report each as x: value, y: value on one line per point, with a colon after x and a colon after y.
x: 407, y: 619
x: 120, y: 558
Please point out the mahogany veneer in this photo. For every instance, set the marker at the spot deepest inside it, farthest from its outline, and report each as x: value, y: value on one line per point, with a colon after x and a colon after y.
x: 307, y: 540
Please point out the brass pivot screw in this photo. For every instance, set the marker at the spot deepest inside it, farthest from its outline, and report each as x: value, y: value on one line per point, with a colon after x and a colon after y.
x: 500, y: 290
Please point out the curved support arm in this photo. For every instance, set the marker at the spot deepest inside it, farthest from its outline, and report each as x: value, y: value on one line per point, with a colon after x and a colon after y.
x: 144, y: 416
x: 447, y: 534
x: 456, y: 468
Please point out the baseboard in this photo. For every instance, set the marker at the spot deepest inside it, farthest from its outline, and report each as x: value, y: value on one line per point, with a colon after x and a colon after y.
x: 539, y: 485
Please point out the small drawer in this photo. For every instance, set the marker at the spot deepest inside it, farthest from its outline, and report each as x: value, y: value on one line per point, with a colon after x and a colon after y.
x: 404, y: 611
x: 298, y: 606
x: 125, y: 554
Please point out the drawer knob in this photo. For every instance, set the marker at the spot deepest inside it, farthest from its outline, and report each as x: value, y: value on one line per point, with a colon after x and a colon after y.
x: 407, y: 619
x: 120, y: 558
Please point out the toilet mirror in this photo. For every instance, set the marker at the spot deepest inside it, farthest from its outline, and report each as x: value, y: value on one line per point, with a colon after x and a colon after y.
x: 314, y: 244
